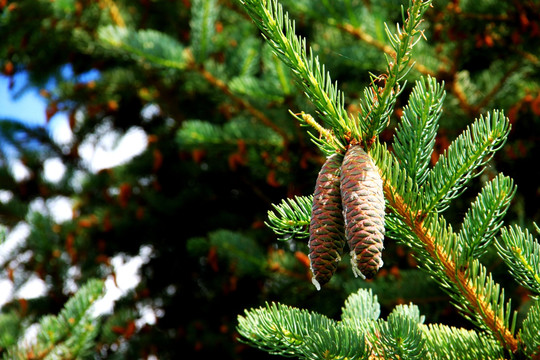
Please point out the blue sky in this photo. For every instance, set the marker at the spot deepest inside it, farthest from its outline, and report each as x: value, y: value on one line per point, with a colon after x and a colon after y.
x: 28, y: 107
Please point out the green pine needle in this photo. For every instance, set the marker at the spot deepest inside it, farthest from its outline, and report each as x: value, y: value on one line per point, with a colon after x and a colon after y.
x: 484, y: 217
x: 279, y: 31
x: 70, y: 335
x: 401, y: 336
x: 292, y: 218
x: 449, y: 343
x: 415, y: 134
x: 145, y: 45
x: 521, y: 252
x: 463, y: 159
x: 204, y: 15
x: 360, y: 306
x: 379, y: 101
x: 531, y: 331
x: 197, y: 133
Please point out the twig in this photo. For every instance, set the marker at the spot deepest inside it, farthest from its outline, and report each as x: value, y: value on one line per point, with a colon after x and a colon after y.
x: 453, y: 273
x: 370, y: 40
x: 239, y: 101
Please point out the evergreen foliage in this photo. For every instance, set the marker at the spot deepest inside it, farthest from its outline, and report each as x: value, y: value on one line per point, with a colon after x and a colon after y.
x: 361, y: 334
x: 69, y: 335
x: 450, y: 258
x: 223, y: 112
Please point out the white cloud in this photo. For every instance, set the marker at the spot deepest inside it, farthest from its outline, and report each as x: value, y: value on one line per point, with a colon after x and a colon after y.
x: 5, y: 196
x: 53, y: 169
x: 60, y: 129
x: 32, y: 288
x: 6, y: 291
x: 19, y: 170
x: 13, y: 239
x: 127, y: 277
x: 60, y: 208
x: 109, y: 150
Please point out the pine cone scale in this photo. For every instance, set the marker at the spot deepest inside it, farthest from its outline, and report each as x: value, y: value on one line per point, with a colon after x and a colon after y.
x: 363, y: 210
x: 326, y: 228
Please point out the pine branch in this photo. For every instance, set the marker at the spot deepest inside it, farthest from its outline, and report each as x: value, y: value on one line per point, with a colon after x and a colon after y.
x: 162, y: 50
x: 484, y: 217
x: 223, y: 87
x: 283, y: 330
x: 478, y: 296
x: 531, y: 330
x: 326, y: 141
x: 358, y: 33
x: 521, y: 252
x: 400, y: 336
x: 378, y: 102
x: 415, y: 194
x: 415, y: 134
x: 360, y: 307
x: 195, y: 133
x: 203, y: 16
x: 292, y: 218
x: 69, y: 335
x: 361, y: 334
x: 459, y: 163
x: 146, y: 45
x: 450, y: 343
x: 279, y: 31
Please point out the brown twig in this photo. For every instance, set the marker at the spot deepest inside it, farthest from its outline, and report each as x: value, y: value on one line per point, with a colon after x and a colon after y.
x: 115, y: 13
x: 497, y: 86
x: 456, y: 275
x: 370, y: 40
x: 219, y: 84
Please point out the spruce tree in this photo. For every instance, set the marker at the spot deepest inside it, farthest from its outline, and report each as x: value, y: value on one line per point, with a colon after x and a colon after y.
x: 224, y: 113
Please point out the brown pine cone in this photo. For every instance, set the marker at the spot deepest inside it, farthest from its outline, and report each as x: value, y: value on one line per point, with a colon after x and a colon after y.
x: 363, y: 210
x: 326, y: 233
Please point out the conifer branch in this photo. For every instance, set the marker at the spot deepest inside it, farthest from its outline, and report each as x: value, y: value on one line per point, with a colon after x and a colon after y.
x: 400, y: 336
x: 484, y: 217
x: 69, y: 335
x: 283, y: 330
x: 465, y: 344
x: 326, y: 141
x: 530, y: 331
x: 416, y: 194
x: 466, y: 154
x: 415, y: 134
x: 292, y: 217
x: 204, y: 14
x: 310, y: 74
x: 146, y: 45
x: 457, y: 279
x: 162, y: 50
x: 521, y: 252
x: 361, y: 334
x: 378, y: 101
x: 224, y: 88
x: 358, y: 33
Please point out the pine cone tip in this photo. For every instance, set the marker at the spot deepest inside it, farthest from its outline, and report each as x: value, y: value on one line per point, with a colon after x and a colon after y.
x: 316, y: 283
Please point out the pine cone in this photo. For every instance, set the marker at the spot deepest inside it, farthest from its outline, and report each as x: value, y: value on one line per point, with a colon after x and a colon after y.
x: 326, y: 240
x: 363, y: 210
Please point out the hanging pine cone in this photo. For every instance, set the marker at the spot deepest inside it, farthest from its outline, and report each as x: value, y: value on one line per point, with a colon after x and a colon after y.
x: 326, y: 240
x: 363, y: 210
